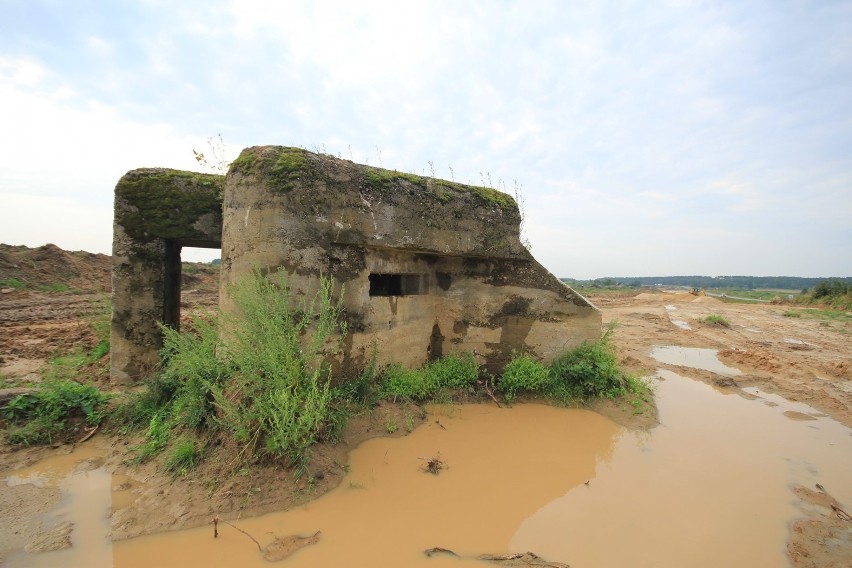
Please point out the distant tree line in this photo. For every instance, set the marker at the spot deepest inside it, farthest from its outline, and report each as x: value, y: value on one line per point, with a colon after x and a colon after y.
x: 831, y: 285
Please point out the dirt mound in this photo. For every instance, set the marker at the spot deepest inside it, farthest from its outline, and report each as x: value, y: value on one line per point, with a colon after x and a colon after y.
x: 49, y: 268
x: 757, y: 359
x: 648, y: 296
x: 840, y: 369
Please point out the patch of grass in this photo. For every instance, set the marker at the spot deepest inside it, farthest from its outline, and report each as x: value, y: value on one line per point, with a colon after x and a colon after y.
x: 589, y: 371
x: 827, y: 315
x: 183, y: 457
x: 54, y: 412
x: 751, y: 294
x: 379, y: 178
x: 13, y: 283
x: 55, y: 287
x: 715, y: 319
x: 390, y: 425
x: 435, y: 379
x: 792, y: 314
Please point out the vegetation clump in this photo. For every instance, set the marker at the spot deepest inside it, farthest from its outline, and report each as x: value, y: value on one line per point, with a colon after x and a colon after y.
x: 266, y: 384
x: 440, y: 376
x: 55, y: 412
x: 59, y: 406
x: 716, y: 319
x: 588, y: 371
x: 833, y: 293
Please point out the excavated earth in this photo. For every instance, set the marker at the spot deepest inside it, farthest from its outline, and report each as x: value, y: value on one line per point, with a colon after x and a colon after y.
x: 799, y: 358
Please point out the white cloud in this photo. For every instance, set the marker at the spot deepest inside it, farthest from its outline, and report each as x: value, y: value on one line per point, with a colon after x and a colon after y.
x: 20, y: 72
x: 631, y: 126
x: 68, y: 222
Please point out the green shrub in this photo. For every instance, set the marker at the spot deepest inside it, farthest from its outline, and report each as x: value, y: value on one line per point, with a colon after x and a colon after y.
x: 156, y: 438
x: 588, y: 371
x: 453, y: 372
x: 53, y: 411
x: 831, y: 287
x: 523, y: 374
x: 191, y: 370
x: 400, y: 382
x: 260, y: 373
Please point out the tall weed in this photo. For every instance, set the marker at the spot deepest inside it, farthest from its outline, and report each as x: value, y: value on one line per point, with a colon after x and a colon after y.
x: 259, y: 373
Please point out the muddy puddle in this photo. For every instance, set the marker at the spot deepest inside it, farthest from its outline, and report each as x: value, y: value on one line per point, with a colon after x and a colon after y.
x: 81, y: 517
x: 694, y: 357
x: 710, y: 486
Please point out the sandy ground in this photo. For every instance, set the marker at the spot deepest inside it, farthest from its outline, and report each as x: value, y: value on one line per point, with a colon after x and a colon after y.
x: 798, y: 358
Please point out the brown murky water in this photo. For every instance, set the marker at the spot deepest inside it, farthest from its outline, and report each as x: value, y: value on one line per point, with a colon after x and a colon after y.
x: 710, y: 486
x: 85, y: 503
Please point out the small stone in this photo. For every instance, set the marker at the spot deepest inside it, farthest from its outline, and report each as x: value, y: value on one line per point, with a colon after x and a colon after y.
x: 7, y: 290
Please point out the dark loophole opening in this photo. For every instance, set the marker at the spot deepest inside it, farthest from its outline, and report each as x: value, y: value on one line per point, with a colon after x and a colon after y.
x: 398, y: 284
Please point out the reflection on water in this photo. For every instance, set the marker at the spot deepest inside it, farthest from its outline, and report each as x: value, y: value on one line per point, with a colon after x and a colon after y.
x: 85, y: 504
x: 693, y: 357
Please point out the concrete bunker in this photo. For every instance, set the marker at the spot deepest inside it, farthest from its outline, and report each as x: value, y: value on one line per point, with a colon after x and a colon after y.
x: 428, y: 267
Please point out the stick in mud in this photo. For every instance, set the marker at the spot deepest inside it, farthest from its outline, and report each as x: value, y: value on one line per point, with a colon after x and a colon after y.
x: 217, y: 520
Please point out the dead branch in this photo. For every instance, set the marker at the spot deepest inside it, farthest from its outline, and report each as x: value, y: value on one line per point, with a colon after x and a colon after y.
x: 489, y: 393
x: 438, y: 550
x: 514, y: 559
x: 89, y: 434
x: 841, y: 514
x: 217, y: 520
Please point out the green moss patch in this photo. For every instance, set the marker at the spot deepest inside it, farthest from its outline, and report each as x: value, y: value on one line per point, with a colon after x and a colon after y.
x: 445, y: 191
x: 490, y: 196
x: 284, y: 166
x: 166, y: 203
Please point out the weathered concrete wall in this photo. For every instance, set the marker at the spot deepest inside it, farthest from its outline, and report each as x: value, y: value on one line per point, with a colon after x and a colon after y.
x: 449, y: 272
x: 157, y: 211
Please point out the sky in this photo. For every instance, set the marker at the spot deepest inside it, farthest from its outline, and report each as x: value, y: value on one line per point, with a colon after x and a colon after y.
x: 646, y: 137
